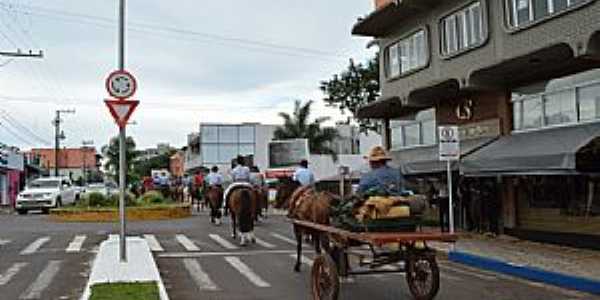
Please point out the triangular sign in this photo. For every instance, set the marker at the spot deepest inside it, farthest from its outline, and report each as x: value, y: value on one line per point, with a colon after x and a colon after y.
x: 121, y: 110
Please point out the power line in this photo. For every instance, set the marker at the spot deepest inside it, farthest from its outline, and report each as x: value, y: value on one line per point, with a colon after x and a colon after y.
x: 27, y: 143
x: 17, y: 125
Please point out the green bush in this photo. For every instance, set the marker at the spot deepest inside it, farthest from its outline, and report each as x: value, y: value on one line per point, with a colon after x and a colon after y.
x: 152, y: 197
x: 97, y: 200
x: 129, y: 199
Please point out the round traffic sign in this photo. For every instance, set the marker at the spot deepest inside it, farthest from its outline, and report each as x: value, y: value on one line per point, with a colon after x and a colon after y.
x: 121, y: 84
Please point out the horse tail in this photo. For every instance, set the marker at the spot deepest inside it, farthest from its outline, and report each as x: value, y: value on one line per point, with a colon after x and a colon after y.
x: 245, y: 215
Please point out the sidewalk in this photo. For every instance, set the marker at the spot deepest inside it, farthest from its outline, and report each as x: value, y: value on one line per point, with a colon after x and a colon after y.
x: 564, y: 266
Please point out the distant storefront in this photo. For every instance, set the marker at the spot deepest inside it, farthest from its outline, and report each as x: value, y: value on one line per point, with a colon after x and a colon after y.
x: 11, y: 170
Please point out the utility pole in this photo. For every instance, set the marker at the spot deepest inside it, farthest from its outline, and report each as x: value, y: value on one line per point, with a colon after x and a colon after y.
x: 58, y: 135
x: 20, y: 54
x: 84, y: 148
x: 122, y: 139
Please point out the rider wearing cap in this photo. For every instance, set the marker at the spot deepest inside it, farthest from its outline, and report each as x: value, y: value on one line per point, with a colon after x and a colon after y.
x: 382, y: 178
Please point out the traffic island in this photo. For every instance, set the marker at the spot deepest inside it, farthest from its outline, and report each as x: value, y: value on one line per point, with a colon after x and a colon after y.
x: 111, y: 214
x: 110, y: 278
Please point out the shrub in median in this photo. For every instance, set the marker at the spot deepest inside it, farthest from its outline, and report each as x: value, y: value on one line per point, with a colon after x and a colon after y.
x: 129, y: 199
x: 153, y: 197
x: 97, y: 200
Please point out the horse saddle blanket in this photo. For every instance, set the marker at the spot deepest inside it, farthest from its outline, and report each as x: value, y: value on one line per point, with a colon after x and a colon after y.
x: 234, y: 186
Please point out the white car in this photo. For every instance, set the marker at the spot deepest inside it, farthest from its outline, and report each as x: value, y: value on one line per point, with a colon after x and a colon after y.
x: 46, y: 193
x: 106, y: 189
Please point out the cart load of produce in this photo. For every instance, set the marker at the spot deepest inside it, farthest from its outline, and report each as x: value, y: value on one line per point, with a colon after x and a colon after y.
x: 379, y: 213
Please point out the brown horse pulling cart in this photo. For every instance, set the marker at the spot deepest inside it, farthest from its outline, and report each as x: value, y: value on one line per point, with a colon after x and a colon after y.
x: 385, y: 251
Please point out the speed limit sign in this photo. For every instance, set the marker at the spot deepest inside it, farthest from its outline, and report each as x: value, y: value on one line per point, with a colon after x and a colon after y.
x: 121, y: 84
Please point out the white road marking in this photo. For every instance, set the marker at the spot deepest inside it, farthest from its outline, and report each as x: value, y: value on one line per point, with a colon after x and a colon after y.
x: 33, y: 247
x: 450, y: 277
x: 153, y: 243
x: 200, y: 277
x: 305, y: 260
x: 283, y: 238
x: 469, y: 273
x: 11, y: 272
x: 34, y: 291
x: 265, y: 244
x: 246, y: 271
x: 76, y: 244
x: 186, y: 243
x: 223, y: 242
x: 223, y: 253
x: 4, y: 242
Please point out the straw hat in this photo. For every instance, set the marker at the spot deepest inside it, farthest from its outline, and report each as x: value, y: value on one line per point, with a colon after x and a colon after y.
x: 378, y: 153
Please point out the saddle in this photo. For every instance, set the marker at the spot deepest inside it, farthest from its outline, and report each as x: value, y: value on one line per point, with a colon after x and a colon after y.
x: 236, y: 186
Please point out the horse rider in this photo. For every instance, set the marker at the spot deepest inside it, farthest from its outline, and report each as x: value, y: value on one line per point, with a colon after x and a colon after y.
x: 240, y: 173
x: 382, y: 179
x: 257, y: 180
x: 305, y: 177
x: 198, y: 187
x: 214, y: 180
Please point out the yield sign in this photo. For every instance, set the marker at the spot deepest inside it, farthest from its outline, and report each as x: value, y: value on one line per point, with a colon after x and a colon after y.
x: 121, y: 110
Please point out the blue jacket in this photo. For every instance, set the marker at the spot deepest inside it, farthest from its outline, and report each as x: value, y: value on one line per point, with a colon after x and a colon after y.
x: 384, y: 179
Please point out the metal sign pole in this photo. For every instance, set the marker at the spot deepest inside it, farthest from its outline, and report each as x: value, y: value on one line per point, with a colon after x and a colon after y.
x: 450, y: 198
x: 122, y: 141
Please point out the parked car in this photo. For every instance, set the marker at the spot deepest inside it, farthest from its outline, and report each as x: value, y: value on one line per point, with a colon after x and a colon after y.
x: 105, y: 189
x: 46, y: 193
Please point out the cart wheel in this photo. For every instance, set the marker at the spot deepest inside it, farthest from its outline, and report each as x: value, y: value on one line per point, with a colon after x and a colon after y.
x: 325, y: 283
x: 423, y: 276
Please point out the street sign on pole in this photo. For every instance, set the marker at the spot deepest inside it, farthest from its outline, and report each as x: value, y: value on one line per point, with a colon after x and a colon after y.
x: 121, y: 110
x: 449, y: 151
x: 121, y: 84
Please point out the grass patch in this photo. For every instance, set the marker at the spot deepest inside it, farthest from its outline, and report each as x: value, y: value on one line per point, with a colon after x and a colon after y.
x: 125, y: 291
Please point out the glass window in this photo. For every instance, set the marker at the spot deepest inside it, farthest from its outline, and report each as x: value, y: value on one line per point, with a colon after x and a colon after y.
x: 560, y: 108
x: 517, y: 120
x: 227, y: 153
x: 397, y: 137
x: 247, y: 134
x: 522, y: 12
x: 246, y: 149
x: 228, y: 134
x: 408, y: 54
x: 429, y: 132
x: 210, y: 153
x: 210, y: 134
x: 532, y: 113
x: 541, y: 9
x: 412, y: 135
x: 589, y: 102
x: 463, y: 29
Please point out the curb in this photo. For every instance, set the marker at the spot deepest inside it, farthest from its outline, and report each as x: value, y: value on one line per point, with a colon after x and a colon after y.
x: 140, y: 267
x: 526, y: 272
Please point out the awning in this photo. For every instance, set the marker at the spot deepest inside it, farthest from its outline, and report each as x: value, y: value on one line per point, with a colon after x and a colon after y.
x: 385, y: 108
x: 381, y: 20
x: 425, y: 160
x: 565, y: 150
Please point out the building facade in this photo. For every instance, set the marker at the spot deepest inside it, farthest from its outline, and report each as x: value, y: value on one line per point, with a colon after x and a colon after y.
x: 521, y: 79
x: 76, y: 163
x: 217, y: 144
x: 11, y: 171
x: 176, y: 164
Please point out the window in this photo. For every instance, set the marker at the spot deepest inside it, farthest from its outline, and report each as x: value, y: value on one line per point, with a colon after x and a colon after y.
x: 247, y: 149
x: 463, y: 29
x: 524, y: 12
x: 228, y: 134
x: 210, y: 134
x: 210, y: 153
x: 410, y: 133
x: 247, y: 134
x: 407, y: 55
x: 566, y: 100
x: 227, y: 153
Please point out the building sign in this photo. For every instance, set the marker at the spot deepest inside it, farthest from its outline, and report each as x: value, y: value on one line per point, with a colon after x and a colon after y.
x: 484, y: 129
x: 11, y: 160
x: 287, y: 153
x: 449, y: 143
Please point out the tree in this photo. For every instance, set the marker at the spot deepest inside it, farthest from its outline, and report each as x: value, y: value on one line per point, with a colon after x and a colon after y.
x: 111, y: 152
x: 297, y: 126
x: 358, y: 85
x: 162, y: 161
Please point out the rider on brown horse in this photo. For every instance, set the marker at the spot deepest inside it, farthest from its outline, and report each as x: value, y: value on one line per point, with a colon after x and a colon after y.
x: 241, y: 200
x: 214, y: 194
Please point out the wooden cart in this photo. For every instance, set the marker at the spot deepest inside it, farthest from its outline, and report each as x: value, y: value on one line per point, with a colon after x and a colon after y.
x: 377, y: 252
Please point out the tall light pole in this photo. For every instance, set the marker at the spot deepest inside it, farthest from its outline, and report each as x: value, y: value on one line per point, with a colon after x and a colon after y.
x: 122, y: 139
x: 84, y: 148
x: 58, y: 135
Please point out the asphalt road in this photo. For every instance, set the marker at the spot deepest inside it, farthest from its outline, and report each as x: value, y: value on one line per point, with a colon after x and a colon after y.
x: 40, y: 259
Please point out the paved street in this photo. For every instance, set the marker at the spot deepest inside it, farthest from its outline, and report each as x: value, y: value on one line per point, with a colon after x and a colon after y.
x: 44, y: 260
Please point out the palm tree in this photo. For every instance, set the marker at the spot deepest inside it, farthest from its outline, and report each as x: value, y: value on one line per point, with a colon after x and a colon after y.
x: 297, y: 126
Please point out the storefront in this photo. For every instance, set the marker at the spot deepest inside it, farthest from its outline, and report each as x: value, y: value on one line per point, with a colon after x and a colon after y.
x: 11, y: 169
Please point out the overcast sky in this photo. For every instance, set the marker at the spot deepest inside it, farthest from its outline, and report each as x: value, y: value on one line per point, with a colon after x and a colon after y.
x: 195, y: 61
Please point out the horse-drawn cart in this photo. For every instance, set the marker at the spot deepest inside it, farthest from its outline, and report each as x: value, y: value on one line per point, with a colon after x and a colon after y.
x: 374, y: 252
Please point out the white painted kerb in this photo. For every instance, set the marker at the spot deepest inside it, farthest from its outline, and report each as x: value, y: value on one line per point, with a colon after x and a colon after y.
x: 140, y: 266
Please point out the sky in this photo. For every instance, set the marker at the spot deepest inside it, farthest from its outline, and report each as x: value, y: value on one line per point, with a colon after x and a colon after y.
x: 227, y: 61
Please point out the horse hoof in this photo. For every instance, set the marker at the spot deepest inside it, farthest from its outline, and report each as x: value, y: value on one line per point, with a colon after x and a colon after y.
x: 297, y: 268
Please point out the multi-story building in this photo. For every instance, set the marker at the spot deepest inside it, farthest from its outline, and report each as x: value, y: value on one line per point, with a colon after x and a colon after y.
x: 217, y: 144
x: 522, y: 80
x: 351, y: 140
x: 77, y: 163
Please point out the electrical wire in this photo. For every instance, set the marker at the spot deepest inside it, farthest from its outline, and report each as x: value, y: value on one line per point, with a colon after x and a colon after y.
x: 18, y: 137
x: 18, y: 125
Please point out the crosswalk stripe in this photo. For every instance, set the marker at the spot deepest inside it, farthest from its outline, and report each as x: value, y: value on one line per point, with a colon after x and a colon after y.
x: 34, y: 291
x: 305, y: 260
x: 76, y: 244
x: 153, y: 243
x: 223, y: 242
x: 200, y: 277
x: 11, y: 272
x: 4, y: 242
x: 186, y: 243
x: 265, y: 243
x: 33, y: 247
x: 237, y: 263
x: 283, y: 238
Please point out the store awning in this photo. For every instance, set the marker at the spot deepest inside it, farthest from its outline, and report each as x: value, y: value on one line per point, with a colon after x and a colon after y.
x: 425, y: 160
x: 565, y: 150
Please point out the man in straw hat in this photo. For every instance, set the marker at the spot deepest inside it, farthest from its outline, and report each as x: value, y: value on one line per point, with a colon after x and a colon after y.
x: 382, y: 178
